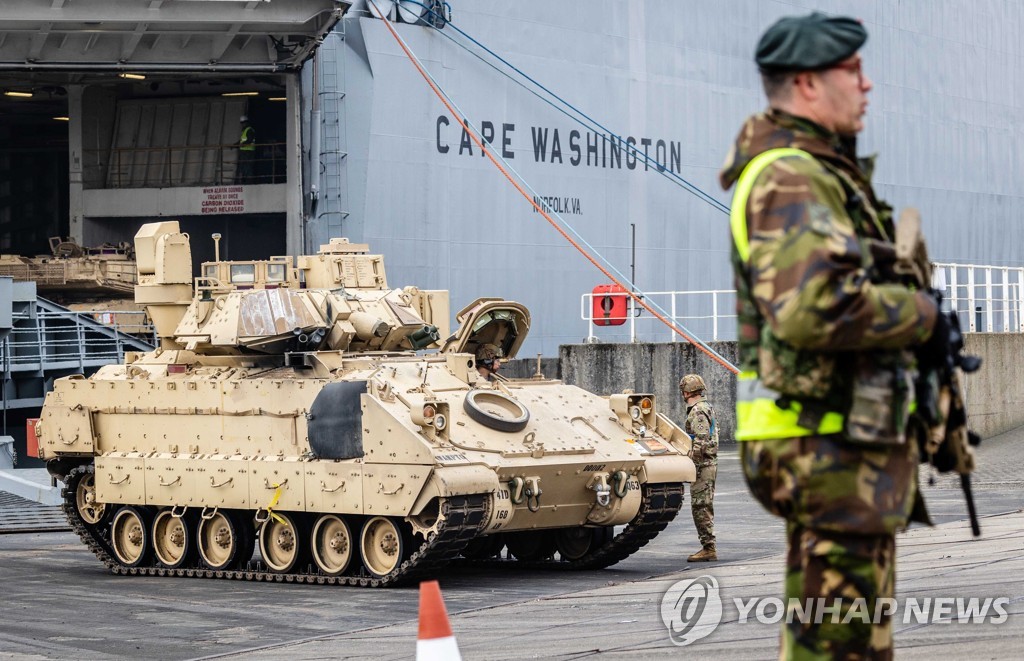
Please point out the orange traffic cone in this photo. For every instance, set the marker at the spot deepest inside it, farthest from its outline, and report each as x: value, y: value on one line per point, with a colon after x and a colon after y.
x: 435, y: 641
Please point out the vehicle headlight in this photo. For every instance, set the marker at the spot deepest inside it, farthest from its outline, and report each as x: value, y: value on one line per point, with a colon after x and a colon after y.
x: 440, y: 422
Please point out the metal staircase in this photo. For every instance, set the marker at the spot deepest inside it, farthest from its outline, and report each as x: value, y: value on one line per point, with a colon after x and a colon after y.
x: 48, y: 341
x: 41, y: 341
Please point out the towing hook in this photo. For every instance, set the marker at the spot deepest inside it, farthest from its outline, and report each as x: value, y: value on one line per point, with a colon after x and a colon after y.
x: 601, y: 488
x: 532, y: 493
x: 515, y: 490
x: 620, y: 481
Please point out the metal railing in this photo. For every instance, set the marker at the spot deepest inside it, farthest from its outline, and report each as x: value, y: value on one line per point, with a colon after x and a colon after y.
x: 182, y: 165
x: 42, y: 274
x: 58, y: 338
x: 700, y: 311
x: 988, y: 299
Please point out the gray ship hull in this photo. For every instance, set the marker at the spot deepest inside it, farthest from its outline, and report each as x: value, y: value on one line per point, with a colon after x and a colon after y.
x: 677, y: 79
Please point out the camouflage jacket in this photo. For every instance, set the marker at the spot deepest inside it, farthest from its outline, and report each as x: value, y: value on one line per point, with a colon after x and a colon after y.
x: 809, y: 293
x: 701, y: 427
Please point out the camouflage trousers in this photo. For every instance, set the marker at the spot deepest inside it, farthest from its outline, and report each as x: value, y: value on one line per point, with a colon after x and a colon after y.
x: 842, y: 504
x: 849, y: 574
x: 702, y: 502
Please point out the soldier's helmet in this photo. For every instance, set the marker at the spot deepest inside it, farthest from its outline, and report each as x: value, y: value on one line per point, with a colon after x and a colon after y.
x: 488, y: 352
x: 692, y: 383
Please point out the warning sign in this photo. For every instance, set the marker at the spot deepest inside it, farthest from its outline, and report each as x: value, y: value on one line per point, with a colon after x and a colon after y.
x: 223, y: 199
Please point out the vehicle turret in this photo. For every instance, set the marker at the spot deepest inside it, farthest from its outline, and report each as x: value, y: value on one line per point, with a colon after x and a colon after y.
x: 337, y: 300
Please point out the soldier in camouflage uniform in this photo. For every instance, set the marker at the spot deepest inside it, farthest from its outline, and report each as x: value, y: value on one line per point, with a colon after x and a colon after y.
x: 700, y: 425
x: 488, y: 361
x: 824, y: 338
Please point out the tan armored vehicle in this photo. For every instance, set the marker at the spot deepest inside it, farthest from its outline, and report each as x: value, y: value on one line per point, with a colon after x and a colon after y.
x: 305, y: 408
x: 74, y: 271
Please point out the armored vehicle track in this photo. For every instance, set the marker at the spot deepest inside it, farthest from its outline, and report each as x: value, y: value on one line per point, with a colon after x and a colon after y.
x: 464, y: 518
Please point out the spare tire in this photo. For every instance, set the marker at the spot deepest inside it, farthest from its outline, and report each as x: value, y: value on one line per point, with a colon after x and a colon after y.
x: 496, y: 410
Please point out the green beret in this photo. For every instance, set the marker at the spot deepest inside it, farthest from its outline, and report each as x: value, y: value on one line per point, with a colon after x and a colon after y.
x: 807, y: 43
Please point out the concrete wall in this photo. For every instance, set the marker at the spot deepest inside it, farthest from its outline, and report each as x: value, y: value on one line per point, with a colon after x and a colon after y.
x: 995, y: 394
x: 655, y: 368
x: 526, y: 368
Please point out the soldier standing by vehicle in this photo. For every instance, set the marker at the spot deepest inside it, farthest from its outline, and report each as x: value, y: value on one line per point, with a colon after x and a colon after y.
x: 824, y: 337
x: 700, y: 425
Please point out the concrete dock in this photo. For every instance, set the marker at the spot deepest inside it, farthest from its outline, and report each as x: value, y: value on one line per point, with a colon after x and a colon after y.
x: 622, y: 620
x: 59, y: 602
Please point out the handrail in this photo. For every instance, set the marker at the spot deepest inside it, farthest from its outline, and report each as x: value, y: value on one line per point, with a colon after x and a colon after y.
x: 182, y: 165
x: 988, y: 299
x: 51, y: 337
x: 695, y: 313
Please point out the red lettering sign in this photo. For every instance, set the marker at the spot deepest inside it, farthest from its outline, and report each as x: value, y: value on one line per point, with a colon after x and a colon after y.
x: 222, y: 199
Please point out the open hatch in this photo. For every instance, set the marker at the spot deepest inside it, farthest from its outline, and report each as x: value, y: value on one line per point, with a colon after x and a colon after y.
x: 496, y: 321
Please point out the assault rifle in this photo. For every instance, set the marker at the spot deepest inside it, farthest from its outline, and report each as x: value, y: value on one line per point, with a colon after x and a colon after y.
x: 941, y: 417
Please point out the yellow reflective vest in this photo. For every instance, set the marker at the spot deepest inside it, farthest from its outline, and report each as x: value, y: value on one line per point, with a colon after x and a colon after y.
x: 248, y: 140
x: 762, y: 413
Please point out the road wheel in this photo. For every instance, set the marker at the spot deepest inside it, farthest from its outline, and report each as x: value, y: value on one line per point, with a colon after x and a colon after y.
x: 223, y: 541
x: 332, y: 545
x: 574, y: 543
x: 174, y: 539
x: 383, y: 546
x: 85, y: 500
x: 283, y: 541
x: 129, y: 536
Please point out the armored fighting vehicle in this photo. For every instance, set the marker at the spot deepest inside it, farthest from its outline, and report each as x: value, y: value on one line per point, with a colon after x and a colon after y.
x: 303, y: 407
x: 73, y: 272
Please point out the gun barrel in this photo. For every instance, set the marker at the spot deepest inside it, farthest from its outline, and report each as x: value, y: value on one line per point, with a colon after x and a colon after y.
x: 965, y: 483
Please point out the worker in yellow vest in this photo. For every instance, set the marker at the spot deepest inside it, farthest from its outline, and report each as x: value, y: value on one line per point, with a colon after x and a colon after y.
x: 246, y: 152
